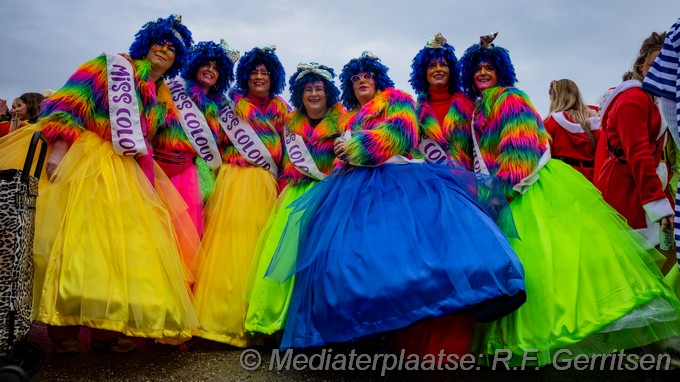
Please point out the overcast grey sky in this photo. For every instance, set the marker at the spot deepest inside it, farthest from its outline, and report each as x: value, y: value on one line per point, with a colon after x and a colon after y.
x: 589, y: 41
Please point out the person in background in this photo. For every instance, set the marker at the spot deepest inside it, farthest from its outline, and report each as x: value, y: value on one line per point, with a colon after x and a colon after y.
x: 25, y: 110
x: 573, y: 126
x: 244, y: 195
x: 634, y: 178
x: 567, y: 235
x: 308, y: 137
x: 435, y: 76
x: 110, y: 254
x: 663, y: 81
x: 5, y: 116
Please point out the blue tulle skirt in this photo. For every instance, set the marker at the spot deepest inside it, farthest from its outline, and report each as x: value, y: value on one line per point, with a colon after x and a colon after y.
x: 384, y: 247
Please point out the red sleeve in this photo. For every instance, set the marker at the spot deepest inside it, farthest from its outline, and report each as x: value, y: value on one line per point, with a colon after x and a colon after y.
x: 633, y: 114
x: 4, y: 128
x: 550, y: 126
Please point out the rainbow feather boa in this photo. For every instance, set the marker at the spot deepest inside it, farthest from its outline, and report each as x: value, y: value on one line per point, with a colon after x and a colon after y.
x: 319, y: 141
x: 510, y: 133
x: 268, y: 126
x: 384, y: 127
x: 82, y: 103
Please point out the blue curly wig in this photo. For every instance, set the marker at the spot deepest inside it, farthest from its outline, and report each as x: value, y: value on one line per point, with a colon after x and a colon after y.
x: 297, y: 86
x: 422, y: 60
x: 498, y: 57
x: 255, y: 57
x: 156, y: 32
x: 207, y: 51
x: 363, y: 64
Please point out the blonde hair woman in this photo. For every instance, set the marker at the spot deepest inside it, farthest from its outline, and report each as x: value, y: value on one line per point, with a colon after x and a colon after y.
x: 573, y: 126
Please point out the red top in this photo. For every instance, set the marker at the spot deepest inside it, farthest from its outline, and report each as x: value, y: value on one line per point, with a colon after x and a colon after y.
x: 4, y: 127
x: 440, y: 100
x: 260, y: 102
x: 632, y: 123
x: 571, y: 143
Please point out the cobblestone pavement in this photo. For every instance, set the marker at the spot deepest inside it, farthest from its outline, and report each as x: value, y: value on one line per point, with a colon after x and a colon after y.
x: 202, y: 360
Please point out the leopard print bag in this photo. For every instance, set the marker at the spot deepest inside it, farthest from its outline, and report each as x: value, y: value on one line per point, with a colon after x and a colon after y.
x: 18, y: 193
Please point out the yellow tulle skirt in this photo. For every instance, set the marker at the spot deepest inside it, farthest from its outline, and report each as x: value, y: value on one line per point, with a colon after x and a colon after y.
x: 235, y: 215
x: 112, y: 247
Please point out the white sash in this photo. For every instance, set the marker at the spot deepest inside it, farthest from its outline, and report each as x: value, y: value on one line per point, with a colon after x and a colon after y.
x: 477, y: 159
x: 246, y: 140
x: 300, y: 156
x: 194, y: 124
x: 530, y: 179
x: 397, y: 159
x: 523, y: 185
x: 432, y: 151
x: 126, y: 129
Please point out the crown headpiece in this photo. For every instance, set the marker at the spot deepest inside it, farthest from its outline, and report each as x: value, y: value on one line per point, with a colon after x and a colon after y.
x: 232, y: 53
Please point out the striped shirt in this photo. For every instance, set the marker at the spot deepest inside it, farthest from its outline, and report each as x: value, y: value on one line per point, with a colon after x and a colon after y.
x: 663, y: 80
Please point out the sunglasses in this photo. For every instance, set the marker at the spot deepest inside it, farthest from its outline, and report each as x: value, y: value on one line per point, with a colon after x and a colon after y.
x: 357, y: 77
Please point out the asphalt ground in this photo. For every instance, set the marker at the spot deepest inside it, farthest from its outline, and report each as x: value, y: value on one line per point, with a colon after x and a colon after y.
x: 202, y: 360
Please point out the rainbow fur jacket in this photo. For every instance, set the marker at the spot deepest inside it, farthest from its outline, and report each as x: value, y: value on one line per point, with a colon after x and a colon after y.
x: 510, y: 133
x: 319, y: 141
x: 447, y: 135
x: 268, y: 126
x: 174, y: 138
x: 384, y: 127
x: 82, y: 103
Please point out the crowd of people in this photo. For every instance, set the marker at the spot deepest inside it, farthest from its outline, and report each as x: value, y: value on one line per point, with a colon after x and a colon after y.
x: 184, y: 197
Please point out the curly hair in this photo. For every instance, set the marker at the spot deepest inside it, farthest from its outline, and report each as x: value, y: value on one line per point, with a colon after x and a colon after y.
x: 498, y: 57
x: 207, y: 51
x: 358, y: 65
x: 156, y: 32
x: 297, y: 86
x: 266, y: 57
x: 421, y: 62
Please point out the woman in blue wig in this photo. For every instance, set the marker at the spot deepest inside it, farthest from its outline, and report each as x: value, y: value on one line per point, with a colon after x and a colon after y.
x: 244, y: 195
x: 592, y: 286
x: 104, y: 228
x: 373, y: 240
x: 308, y: 157
x: 188, y: 151
x: 441, y: 104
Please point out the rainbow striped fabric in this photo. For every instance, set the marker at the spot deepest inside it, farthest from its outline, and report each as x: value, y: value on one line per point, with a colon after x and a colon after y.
x: 319, y: 141
x: 384, y: 127
x: 268, y: 126
x: 82, y: 103
x: 511, y: 135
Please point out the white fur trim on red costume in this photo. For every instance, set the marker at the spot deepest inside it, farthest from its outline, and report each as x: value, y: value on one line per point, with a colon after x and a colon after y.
x: 623, y: 86
x: 658, y: 209
x: 573, y: 127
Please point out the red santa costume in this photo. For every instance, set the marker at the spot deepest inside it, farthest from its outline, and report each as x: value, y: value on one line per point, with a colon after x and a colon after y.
x: 571, y: 144
x: 632, y: 179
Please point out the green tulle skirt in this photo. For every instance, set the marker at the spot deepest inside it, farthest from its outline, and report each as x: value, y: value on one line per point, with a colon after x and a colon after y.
x: 267, y: 298
x: 592, y: 286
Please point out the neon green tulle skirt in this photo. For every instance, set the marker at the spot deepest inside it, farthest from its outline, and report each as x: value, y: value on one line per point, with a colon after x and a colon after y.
x: 267, y: 298
x: 592, y: 287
